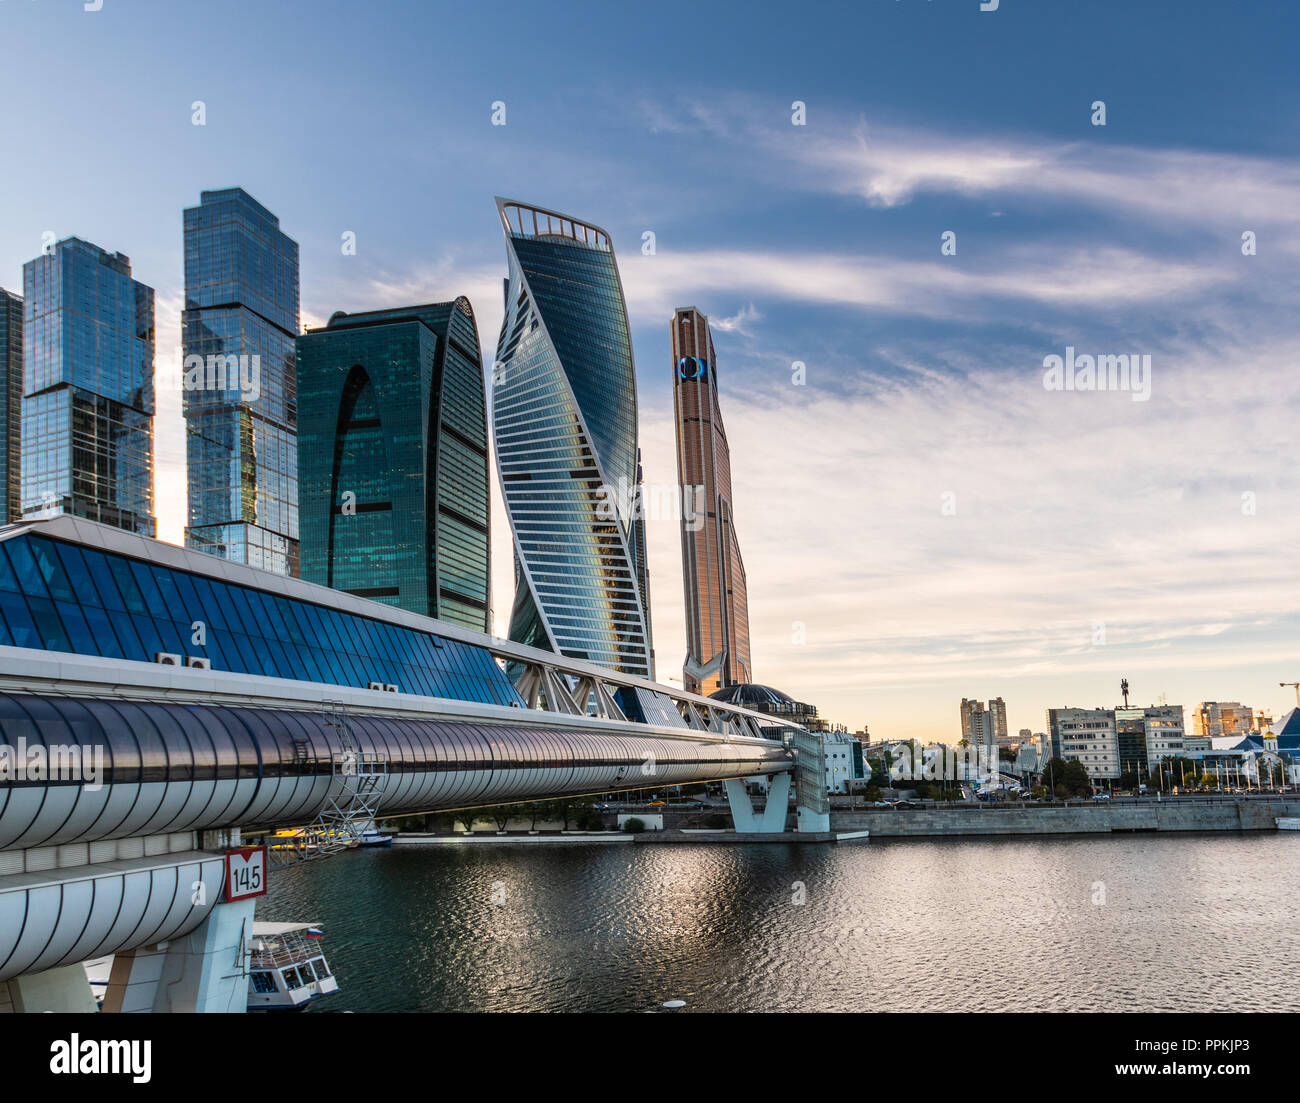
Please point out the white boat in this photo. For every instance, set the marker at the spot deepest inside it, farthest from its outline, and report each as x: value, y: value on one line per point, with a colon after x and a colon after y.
x: 1288, y: 823
x: 97, y: 973
x: 375, y: 838
x: 287, y: 969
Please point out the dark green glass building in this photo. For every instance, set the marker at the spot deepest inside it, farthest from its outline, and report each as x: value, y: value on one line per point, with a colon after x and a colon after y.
x: 393, y: 460
x: 11, y: 402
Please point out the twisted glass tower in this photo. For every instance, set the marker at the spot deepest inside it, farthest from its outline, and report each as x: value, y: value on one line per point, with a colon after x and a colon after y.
x: 564, y: 419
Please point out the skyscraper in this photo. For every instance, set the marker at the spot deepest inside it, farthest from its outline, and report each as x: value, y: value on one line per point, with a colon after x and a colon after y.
x: 239, y: 400
x: 564, y: 421
x: 713, y: 573
x: 11, y: 405
x: 393, y: 460
x: 88, y: 388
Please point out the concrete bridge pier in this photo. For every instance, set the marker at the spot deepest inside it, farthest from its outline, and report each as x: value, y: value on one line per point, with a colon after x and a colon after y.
x: 63, y: 990
x: 203, y: 971
x: 771, y: 821
x: 812, y: 806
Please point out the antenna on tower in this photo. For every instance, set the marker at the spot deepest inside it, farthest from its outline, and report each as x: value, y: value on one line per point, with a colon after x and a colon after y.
x: 1123, y: 688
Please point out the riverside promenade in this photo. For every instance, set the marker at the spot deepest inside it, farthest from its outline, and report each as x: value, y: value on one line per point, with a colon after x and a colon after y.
x: 1076, y: 818
x: 1084, y: 818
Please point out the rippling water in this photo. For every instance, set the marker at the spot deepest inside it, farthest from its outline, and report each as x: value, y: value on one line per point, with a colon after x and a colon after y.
x: 1141, y: 923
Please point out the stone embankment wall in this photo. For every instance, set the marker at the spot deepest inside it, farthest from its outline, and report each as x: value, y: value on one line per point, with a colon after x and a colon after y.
x: 1101, y: 817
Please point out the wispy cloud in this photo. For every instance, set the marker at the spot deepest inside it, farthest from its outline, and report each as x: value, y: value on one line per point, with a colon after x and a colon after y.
x: 740, y: 322
x: 1077, y: 517
x: 888, y: 165
x: 1103, y: 275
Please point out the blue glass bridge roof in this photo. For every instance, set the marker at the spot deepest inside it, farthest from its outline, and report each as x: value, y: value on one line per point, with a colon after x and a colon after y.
x: 63, y: 596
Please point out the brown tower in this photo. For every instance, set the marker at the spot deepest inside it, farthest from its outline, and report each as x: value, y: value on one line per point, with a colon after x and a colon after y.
x: 713, y: 574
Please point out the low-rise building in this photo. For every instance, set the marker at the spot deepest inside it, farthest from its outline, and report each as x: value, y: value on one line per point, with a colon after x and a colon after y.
x: 1086, y: 736
x: 1029, y: 758
x: 844, y: 760
x: 1219, y: 718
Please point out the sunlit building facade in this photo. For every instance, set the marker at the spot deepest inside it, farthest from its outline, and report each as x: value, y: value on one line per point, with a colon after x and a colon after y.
x: 1215, y: 719
x: 1146, y: 735
x: 88, y: 388
x: 239, y: 383
x: 1087, y: 736
x: 564, y: 422
x: 393, y: 460
x: 11, y: 405
x: 713, y: 573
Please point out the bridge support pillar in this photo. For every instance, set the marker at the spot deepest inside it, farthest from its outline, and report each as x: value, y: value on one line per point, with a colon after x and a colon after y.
x: 61, y: 990
x: 810, y: 819
x: 203, y: 971
x: 771, y: 821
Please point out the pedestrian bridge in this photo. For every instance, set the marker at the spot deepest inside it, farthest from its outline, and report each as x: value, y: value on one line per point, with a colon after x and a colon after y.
x: 158, y: 705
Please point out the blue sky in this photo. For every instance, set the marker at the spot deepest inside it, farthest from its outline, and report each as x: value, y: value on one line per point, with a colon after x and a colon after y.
x: 1079, y: 517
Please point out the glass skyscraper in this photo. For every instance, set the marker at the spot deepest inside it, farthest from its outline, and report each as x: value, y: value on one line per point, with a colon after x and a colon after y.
x: 239, y: 400
x: 713, y: 573
x: 11, y: 405
x: 88, y: 388
x: 393, y: 460
x: 564, y: 421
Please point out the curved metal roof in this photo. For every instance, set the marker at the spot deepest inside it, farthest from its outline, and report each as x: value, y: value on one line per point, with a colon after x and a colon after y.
x: 139, y: 768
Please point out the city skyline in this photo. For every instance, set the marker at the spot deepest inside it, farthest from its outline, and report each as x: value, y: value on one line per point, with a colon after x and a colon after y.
x: 1092, y: 535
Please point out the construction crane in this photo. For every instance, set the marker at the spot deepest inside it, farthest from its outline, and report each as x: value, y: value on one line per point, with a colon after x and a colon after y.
x: 1295, y: 686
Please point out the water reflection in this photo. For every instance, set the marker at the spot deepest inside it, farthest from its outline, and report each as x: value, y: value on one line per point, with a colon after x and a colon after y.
x: 1141, y: 923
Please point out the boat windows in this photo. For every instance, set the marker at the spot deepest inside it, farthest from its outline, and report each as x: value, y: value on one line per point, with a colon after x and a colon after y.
x: 263, y: 983
x: 322, y: 970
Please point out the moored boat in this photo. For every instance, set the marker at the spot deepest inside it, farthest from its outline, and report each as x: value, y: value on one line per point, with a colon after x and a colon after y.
x: 287, y: 969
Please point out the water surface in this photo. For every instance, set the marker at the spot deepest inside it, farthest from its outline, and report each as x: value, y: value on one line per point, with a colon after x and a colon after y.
x: 1142, y: 923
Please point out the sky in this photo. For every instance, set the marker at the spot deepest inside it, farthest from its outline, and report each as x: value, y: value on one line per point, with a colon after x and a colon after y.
x: 921, y: 518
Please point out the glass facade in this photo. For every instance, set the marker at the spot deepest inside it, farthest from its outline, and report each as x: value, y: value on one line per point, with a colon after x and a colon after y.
x: 240, y: 382
x: 393, y: 460
x: 88, y: 388
x: 11, y: 405
x: 713, y: 573
x: 61, y: 596
x: 564, y: 422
